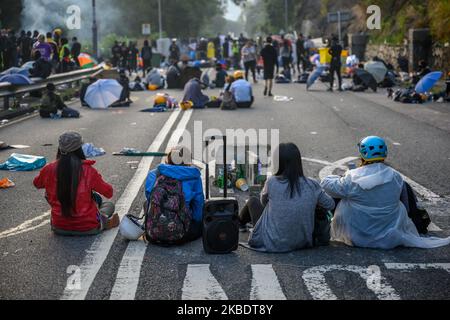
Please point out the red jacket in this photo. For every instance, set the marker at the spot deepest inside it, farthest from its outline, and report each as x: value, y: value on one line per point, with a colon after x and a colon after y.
x: 86, y: 210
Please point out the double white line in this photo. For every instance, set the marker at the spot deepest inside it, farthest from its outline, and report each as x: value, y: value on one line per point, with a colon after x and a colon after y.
x: 125, y: 285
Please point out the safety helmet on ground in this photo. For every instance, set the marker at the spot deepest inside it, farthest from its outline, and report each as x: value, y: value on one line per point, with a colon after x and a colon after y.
x: 239, y: 74
x: 186, y: 105
x: 373, y: 149
x: 160, y: 99
x: 131, y: 229
x: 153, y: 87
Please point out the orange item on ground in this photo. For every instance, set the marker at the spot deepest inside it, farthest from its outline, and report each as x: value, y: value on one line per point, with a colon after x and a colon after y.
x: 6, y: 183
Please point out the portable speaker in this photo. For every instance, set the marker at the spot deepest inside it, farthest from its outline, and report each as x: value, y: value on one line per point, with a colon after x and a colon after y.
x: 220, y: 218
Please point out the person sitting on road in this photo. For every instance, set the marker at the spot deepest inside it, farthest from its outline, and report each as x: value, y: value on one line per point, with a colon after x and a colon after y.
x: 83, y: 90
x: 221, y: 76
x: 73, y: 190
x: 370, y: 213
x: 125, y: 100
x: 242, y: 91
x: 193, y: 92
x: 173, y: 76
x: 154, y: 80
x: 179, y: 167
x: 52, y: 103
x: 284, y: 218
x: 41, y: 67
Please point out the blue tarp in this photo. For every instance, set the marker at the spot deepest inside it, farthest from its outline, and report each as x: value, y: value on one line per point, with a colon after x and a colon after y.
x: 23, y: 162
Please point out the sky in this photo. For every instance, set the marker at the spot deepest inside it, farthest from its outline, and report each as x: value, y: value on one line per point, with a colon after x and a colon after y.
x: 234, y: 11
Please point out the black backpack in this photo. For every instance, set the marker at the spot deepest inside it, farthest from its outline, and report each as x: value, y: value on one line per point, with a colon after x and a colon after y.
x: 419, y: 216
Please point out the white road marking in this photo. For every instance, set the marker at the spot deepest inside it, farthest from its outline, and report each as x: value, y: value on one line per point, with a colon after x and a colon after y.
x: 314, y: 279
x: 200, y: 284
x: 127, y: 279
x: 314, y: 133
x: 27, y: 226
x: 99, y: 250
x: 417, y: 266
x: 265, y: 284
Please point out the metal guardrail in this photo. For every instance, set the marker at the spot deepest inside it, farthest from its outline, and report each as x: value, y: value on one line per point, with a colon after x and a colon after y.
x: 8, y: 90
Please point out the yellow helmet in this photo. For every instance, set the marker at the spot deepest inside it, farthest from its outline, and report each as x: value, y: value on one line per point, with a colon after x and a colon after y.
x: 186, y: 105
x: 239, y: 74
x: 57, y: 32
x: 160, y: 99
x: 153, y: 87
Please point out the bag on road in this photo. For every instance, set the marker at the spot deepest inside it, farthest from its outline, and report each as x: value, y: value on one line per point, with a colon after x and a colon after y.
x: 22, y: 162
x: 167, y: 219
x: 228, y: 102
x: 70, y: 113
x: 419, y: 216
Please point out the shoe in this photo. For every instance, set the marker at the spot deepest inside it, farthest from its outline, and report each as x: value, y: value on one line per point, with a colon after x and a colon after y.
x: 340, y: 90
x: 330, y: 90
x: 243, y: 228
x: 113, y: 222
x: 265, y: 92
x: 270, y: 94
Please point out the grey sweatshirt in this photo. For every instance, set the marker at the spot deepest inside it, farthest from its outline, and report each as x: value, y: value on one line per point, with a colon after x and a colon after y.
x: 287, y: 224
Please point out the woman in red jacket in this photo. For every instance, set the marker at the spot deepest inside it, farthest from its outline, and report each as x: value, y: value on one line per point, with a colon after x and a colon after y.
x: 73, y: 188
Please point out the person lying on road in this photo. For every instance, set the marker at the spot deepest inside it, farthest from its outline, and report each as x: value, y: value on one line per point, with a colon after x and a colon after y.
x: 73, y: 188
x: 284, y: 216
x: 370, y: 213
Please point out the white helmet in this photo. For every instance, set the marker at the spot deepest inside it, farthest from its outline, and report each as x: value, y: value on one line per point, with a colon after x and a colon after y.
x: 131, y: 229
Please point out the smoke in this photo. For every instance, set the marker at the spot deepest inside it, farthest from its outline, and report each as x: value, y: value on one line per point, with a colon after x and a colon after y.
x: 46, y: 15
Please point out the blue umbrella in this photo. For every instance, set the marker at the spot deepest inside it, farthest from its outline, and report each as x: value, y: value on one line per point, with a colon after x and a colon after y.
x: 16, y: 79
x: 15, y: 70
x: 314, y: 76
x: 103, y: 93
x: 428, y: 82
x: 28, y: 65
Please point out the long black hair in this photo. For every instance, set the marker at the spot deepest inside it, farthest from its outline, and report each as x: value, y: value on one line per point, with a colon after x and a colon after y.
x: 290, y: 166
x: 68, y: 178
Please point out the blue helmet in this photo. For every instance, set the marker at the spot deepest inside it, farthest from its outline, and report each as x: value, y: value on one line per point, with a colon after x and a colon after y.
x: 373, y: 149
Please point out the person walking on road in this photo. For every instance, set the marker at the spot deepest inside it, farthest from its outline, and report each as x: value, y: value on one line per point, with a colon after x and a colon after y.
x: 249, y: 58
x: 336, y: 64
x: 301, y: 53
x: 174, y: 52
x: 284, y: 217
x: 73, y: 190
x: 270, y: 58
x: 370, y: 213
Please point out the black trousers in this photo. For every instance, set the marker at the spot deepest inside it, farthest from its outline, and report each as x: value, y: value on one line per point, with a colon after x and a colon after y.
x: 250, y: 66
x: 251, y: 212
x: 335, y: 68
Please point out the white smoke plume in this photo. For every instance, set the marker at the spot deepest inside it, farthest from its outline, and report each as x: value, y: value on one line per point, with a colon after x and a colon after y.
x: 46, y: 15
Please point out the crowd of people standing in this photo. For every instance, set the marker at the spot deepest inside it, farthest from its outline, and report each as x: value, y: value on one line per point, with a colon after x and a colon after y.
x: 53, y: 47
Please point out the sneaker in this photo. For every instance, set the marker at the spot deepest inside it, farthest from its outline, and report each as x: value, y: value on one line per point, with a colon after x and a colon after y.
x: 265, y: 92
x: 113, y: 222
x: 330, y: 90
x: 270, y: 94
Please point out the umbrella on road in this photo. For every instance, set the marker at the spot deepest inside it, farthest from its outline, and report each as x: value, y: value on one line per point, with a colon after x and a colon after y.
x: 16, y: 79
x: 428, y: 82
x: 103, y: 93
x: 15, y: 70
x: 366, y: 78
x: 86, y: 61
x: 314, y: 76
x: 377, y: 69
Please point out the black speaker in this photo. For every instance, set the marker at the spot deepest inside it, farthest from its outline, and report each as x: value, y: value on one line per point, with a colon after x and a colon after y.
x: 220, y: 218
x: 221, y: 226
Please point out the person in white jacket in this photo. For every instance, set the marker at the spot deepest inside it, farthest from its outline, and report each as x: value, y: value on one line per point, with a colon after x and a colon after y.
x: 370, y: 213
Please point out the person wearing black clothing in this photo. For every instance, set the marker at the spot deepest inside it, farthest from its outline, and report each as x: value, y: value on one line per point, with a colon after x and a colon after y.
x: 3, y: 40
x: 270, y: 58
x: 116, y: 53
x: 41, y: 67
x: 26, y: 46
x: 124, y: 55
x: 11, y: 51
x: 174, y: 50
x: 75, y: 50
x: 132, y: 58
x: 83, y: 90
x: 301, y: 52
x: 147, y: 55
x: 336, y: 64
x: 35, y: 36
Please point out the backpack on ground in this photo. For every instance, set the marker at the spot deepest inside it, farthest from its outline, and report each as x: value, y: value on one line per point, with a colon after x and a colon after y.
x: 228, y: 102
x: 419, y: 216
x: 167, y: 219
x: 322, y: 227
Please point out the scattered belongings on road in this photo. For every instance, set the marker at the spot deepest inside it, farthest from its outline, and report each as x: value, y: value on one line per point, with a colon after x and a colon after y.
x: 5, y: 183
x: 90, y: 151
x: 23, y: 162
x: 5, y: 146
x: 130, y: 152
x: 282, y: 99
